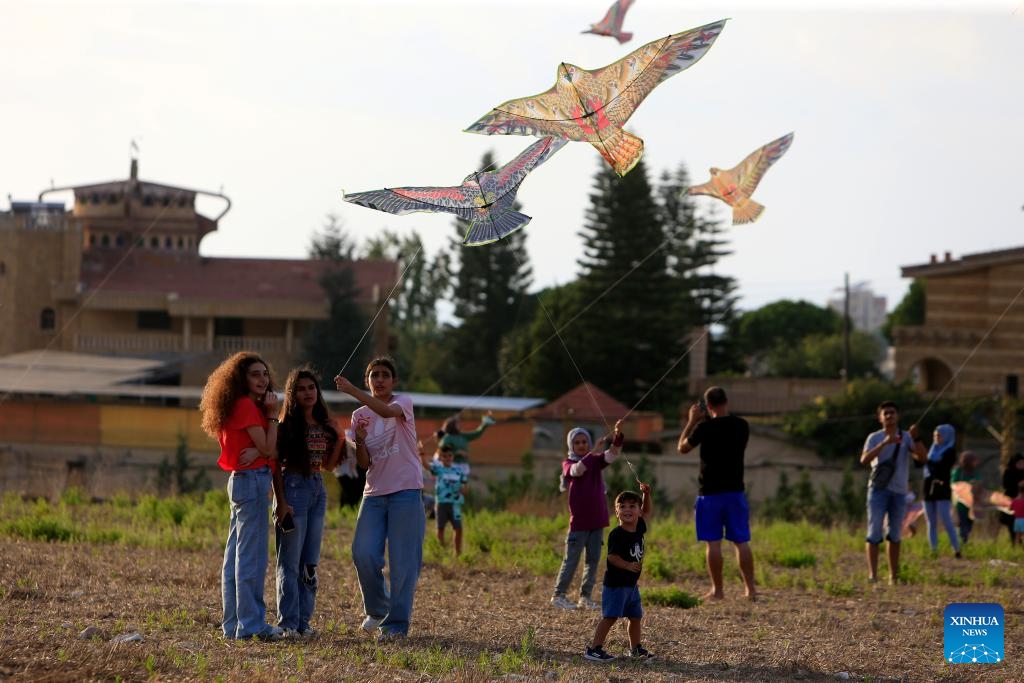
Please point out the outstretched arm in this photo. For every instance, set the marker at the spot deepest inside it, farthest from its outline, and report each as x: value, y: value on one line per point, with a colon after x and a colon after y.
x: 694, y: 418
x: 615, y: 450
x: 372, y: 402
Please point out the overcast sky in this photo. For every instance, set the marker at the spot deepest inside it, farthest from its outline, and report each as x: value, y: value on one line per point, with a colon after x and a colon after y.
x: 908, y: 119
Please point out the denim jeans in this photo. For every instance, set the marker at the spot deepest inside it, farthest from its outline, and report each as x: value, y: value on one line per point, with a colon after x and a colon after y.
x: 576, y: 543
x: 245, y: 554
x: 298, y: 551
x: 891, y: 506
x: 935, y: 510
x: 398, y: 521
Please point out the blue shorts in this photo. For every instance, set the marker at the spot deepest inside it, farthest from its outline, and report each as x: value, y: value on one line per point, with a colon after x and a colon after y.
x: 1018, y: 525
x: 723, y: 511
x: 621, y: 601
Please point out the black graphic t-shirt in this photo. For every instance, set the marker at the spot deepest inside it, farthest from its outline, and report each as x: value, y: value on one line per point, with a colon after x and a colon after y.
x: 629, y: 545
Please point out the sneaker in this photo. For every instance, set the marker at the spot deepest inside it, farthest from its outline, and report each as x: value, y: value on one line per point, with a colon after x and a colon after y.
x: 289, y: 634
x: 597, y: 654
x: 640, y: 652
x: 587, y: 603
x: 272, y: 635
x: 390, y: 636
x: 562, y: 602
x: 370, y: 624
x: 307, y: 634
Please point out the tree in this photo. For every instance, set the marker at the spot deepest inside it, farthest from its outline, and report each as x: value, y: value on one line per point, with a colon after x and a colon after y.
x: 778, y: 328
x: 639, y: 333
x: 489, y: 292
x: 822, y: 356
x: 413, y: 309
x: 909, y: 311
x: 695, y: 246
x: 329, y: 343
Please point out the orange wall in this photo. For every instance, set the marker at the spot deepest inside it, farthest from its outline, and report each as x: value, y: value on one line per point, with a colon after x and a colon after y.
x: 44, y: 422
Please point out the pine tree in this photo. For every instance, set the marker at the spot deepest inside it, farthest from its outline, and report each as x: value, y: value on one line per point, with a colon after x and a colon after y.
x: 695, y: 246
x: 413, y: 309
x: 489, y: 293
x: 329, y: 343
x: 633, y: 336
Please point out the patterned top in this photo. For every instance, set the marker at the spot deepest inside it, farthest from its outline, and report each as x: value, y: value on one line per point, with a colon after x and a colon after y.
x: 448, y: 488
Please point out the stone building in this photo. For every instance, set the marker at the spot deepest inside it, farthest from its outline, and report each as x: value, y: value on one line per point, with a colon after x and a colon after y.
x: 121, y: 274
x: 969, y: 322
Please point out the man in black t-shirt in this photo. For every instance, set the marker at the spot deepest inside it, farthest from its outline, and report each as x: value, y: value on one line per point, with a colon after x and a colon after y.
x: 721, y: 508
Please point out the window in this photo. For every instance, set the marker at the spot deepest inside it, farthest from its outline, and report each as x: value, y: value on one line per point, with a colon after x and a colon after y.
x: 228, y: 327
x: 153, y: 320
x: 3, y: 268
x: 105, y: 240
x: 47, y: 319
x: 154, y: 242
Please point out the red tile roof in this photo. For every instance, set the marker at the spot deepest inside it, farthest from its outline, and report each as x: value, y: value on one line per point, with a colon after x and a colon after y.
x: 230, y: 278
x: 581, y: 402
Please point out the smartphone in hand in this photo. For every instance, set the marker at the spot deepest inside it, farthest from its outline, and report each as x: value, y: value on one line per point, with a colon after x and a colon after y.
x: 287, y: 523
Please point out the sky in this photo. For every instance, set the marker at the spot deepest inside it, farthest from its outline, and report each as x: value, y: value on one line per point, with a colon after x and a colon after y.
x: 907, y: 117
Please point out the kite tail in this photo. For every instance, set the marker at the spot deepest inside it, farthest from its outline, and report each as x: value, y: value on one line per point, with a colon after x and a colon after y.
x: 622, y: 150
x: 746, y: 211
x: 492, y: 229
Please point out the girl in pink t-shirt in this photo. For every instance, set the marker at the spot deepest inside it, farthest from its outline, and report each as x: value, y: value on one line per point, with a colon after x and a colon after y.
x: 391, y: 515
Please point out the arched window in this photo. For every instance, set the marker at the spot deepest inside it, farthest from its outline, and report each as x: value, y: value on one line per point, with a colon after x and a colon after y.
x: 47, y: 319
x: 3, y: 268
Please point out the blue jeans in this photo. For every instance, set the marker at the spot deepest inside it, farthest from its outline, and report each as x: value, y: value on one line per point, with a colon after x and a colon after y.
x: 245, y: 554
x: 934, y: 510
x: 885, y: 504
x: 576, y: 543
x: 298, y: 551
x: 397, y: 520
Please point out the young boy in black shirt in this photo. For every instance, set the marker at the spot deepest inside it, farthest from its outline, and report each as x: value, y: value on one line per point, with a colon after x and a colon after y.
x: 620, y: 596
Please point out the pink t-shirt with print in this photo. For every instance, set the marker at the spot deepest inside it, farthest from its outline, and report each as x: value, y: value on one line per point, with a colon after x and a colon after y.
x: 391, y: 444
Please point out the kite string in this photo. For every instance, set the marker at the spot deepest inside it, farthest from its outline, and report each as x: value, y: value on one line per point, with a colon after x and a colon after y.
x: 572, y: 360
x: 565, y: 325
x: 88, y: 298
x: 971, y: 354
x: 383, y: 305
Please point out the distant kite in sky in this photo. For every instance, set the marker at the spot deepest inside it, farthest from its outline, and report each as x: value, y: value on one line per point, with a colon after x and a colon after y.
x: 592, y: 106
x: 735, y: 186
x: 484, y: 198
x: 611, y: 25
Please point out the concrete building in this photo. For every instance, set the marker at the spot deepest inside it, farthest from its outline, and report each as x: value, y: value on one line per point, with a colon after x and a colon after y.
x: 867, y: 311
x: 121, y: 274
x: 972, y: 338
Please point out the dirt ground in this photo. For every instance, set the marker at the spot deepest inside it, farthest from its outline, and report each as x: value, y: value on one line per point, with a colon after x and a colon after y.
x: 467, y: 627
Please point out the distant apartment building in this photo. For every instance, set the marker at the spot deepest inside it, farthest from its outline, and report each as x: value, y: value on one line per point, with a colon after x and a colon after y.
x: 867, y: 311
x: 972, y: 338
x: 121, y: 274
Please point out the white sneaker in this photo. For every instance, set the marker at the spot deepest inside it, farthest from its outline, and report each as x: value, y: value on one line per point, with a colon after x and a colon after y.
x: 562, y: 602
x: 587, y: 603
x: 370, y: 624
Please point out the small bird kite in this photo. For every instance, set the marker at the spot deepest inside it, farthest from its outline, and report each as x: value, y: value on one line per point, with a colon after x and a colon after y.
x: 735, y: 186
x: 484, y: 199
x: 611, y: 25
x: 592, y: 106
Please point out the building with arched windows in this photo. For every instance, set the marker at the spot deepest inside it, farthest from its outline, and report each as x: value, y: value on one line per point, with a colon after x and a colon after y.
x: 974, y: 318
x: 120, y: 274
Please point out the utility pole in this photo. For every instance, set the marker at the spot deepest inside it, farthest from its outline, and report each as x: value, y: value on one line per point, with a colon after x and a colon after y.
x: 846, y: 328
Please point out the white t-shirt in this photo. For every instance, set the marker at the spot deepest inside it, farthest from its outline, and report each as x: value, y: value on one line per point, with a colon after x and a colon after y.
x: 391, y: 443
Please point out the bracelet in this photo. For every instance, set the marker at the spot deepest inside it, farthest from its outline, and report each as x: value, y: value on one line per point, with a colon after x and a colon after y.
x: 360, y: 442
x: 273, y: 419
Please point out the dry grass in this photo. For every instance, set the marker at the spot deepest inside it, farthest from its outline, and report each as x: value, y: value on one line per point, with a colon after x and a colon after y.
x: 468, y: 626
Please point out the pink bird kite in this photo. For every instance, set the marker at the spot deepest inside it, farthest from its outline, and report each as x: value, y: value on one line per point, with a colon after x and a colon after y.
x: 611, y: 25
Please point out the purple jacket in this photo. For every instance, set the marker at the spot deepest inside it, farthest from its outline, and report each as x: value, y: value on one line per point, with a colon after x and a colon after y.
x: 588, y: 504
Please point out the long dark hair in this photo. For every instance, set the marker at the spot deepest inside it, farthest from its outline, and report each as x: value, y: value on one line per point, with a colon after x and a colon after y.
x: 291, y: 437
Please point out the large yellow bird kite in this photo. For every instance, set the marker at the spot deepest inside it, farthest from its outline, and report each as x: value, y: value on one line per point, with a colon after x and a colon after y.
x: 735, y: 186
x: 592, y: 106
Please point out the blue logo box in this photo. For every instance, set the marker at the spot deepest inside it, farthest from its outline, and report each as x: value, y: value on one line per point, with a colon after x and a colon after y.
x: 973, y: 633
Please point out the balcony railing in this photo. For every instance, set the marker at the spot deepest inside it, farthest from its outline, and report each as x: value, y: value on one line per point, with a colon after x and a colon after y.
x: 174, y: 343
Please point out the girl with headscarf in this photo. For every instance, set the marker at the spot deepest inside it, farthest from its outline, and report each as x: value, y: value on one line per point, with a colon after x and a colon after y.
x: 966, y: 472
x: 937, y: 490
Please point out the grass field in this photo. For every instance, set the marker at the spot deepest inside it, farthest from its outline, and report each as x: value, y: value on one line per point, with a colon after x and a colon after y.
x: 152, y: 567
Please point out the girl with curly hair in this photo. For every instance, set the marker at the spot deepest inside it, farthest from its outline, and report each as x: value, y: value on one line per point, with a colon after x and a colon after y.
x: 307, y: 444
x: 239, y: 409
